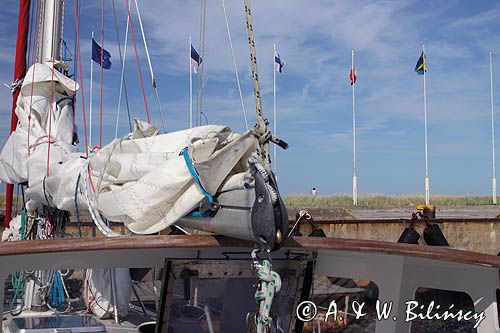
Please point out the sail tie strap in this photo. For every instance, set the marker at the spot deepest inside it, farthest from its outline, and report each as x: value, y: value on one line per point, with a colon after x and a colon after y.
x: 195, y: 176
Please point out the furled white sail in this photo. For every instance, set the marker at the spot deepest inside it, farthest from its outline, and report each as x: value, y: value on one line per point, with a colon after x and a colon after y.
x: 141, y: 180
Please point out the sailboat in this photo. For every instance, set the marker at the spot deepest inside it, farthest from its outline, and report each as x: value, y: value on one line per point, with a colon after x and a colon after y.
x: 145, y: 180
x: 207, y: 178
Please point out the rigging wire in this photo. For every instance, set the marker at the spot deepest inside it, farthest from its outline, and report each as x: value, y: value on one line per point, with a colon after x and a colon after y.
x: 61, y: 38
x: 74, y: 50
x: 75, y: 135
x: 78, y: 56
x: 51, y: 109
x: 137, y: 61
x: 30, y: 30
x: 235, y: 66
x: 101, y: 73
x: 17, y: 199
x: 19, y: 278
x: 199, y: 99
x: 37, y: 30
x: 77, y: 210
x: 122, y: 78
x: 153, y: 80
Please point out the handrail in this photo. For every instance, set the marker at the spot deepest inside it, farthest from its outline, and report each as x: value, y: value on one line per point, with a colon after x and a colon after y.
x: 205, y: 241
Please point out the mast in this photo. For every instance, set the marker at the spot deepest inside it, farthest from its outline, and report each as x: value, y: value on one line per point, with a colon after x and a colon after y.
x: 275, y: 151
x: 90, y: 95
x: 201, y: 67
x: 354, y: 177
x: 427, y: 182
x: 494, y: 179
x: 46, y: 49
x: 19, y: 72
x: 190, y: 85
x: 51, y: 30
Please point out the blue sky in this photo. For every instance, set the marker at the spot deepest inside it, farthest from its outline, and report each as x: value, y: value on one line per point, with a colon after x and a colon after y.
x: 315, y: 39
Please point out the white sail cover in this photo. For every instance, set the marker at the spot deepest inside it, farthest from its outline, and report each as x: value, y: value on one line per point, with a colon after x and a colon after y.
x: 141, y: 180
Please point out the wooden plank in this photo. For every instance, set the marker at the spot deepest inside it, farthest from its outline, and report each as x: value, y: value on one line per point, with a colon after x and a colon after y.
x: 198, y: 241
x: 422, y: 251
x: 403, y: 220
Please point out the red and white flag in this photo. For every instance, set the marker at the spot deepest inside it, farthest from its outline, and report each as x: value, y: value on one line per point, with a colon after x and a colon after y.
x: 352, y: 76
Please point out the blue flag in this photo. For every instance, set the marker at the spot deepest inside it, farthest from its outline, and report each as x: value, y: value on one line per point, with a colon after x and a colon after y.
x: 96, y: 55
x: 279, y: 63
x: 196, y: 60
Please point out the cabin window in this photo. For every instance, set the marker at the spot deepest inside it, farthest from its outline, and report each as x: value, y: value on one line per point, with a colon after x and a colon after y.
x: 458, y: 301
x: 327, y: 292
x: 498, y: 306
x: 215, y: 296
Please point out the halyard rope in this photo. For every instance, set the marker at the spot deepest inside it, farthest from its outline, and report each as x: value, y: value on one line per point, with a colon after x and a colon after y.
x: 262, y: 130
x: 153, y: 80
x: 101, y: 73
x: 123, y: 85
x: 137, y: 61
x: 51, y: 107
x: 235, y: 67
x: 77, y: 25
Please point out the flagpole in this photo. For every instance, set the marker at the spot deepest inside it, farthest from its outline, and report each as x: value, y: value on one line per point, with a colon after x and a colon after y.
x: 90, y: 103
x: 494, y: 180
x: 275, y: 158
x: 427, y: 181
x: 190, y: 87
x: 354, y: 177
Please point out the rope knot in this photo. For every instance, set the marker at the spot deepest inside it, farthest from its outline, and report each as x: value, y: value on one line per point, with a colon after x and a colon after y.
x: 14, y: 85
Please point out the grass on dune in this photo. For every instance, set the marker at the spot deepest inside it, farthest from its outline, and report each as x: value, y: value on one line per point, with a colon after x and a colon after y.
x: 368, y: 200
x: 377, y: 200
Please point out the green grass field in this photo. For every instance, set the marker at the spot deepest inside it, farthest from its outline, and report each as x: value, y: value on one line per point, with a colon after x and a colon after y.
x: 368, y: 200
x: 377, y: 200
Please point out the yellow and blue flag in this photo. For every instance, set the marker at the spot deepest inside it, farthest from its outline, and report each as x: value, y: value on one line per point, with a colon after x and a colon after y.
x: 421, y: 66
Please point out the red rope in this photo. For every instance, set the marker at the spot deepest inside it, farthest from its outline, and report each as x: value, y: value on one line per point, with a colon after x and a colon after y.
x: 77, y: 24
x: 79, y: 60
x: 102, y: 74
x: 51, y: 89
x: 137, y: 61
x: 33, y: 77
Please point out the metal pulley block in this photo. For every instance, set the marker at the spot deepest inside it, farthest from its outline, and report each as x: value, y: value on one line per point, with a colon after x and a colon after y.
x: 255, y: 213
